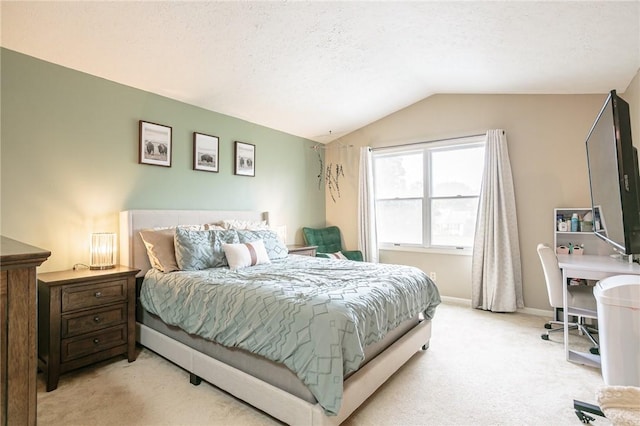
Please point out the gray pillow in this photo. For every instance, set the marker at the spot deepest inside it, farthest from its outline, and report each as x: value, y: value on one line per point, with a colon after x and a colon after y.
x: 276, y: 249
x: 197, y: 250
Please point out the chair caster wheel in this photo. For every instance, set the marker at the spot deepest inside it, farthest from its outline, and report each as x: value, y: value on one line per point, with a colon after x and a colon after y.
x: 547, y: 326
x: 544, y: 336
x: 595, y: 351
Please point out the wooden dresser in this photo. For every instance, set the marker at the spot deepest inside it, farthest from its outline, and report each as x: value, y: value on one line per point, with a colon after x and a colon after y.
x: 84, y: 316
x: 18, y: 361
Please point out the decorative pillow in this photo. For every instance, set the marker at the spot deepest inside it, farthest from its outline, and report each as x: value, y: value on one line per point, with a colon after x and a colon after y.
x: 247, y: 254
x: 159, y: 244
x: 160, y: 248
x: 336, y: 255
x: 276, y: 249
x: 251, y: 225
x: 197, y: 250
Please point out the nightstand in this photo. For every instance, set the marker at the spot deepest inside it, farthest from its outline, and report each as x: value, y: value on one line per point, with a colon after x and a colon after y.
x: 84, y: 316
x: 303, y: 250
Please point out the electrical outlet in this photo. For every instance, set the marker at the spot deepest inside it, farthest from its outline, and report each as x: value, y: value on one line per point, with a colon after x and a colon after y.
x: 432, y: 275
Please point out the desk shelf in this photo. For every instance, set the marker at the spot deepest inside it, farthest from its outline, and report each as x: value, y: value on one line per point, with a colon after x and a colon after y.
x: 591, y: 243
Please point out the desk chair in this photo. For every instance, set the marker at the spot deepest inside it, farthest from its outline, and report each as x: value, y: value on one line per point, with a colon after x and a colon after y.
x: 579, y: 296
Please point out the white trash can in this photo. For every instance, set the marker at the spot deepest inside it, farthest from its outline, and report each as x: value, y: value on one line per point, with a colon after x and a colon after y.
x: 618, y: 300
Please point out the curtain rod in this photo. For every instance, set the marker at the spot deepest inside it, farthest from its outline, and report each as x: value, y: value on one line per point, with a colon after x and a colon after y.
x: 425, y: 142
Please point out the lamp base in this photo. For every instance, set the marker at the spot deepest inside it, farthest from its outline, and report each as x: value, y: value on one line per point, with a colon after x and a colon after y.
x: 100, y: 268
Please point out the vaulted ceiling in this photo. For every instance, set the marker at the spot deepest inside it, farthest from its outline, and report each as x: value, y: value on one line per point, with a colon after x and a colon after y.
x: 312, y: 68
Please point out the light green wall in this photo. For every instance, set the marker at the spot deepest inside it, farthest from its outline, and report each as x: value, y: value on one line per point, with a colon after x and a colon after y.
x: 69, y: 158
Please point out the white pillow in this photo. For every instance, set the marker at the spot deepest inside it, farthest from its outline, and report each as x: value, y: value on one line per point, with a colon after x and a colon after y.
x: 336, y: 255
x: 213, y: 227
x: 247, y: 254
x: 252, y: 225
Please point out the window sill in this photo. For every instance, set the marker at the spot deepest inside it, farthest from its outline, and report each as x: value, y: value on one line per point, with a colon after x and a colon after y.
x: 448, y: 251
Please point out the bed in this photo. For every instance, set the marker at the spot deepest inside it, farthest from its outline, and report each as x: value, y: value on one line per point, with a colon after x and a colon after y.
x: 251, y: 373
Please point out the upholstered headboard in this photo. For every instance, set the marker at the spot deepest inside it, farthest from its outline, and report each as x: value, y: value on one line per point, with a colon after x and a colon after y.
x: 132, y: 250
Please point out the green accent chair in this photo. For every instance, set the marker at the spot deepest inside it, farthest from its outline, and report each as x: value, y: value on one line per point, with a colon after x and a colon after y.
x: 328, y: 240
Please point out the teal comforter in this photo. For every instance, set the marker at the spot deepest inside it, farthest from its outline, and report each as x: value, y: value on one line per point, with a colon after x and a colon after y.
x: 312, y: 314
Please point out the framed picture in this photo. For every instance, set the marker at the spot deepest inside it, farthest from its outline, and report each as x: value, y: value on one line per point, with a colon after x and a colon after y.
x: 205, y: 152
x: 245, y: 159
x: 155, y: 144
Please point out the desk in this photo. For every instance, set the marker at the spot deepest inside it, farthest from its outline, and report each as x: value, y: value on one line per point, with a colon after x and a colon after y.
x: 590, y: 267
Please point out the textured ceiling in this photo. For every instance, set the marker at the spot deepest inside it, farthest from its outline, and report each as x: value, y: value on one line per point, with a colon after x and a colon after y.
x: 310, y: 68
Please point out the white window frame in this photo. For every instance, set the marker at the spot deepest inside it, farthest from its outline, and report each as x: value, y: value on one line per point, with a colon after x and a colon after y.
x: 427, y: 148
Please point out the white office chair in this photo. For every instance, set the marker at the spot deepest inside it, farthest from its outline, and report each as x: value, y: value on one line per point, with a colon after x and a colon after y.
x: 580, y: 297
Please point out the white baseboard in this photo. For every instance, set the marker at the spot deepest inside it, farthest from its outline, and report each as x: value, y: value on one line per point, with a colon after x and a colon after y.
x: 535, y: 311
x: 456, y: 301
x: 467, y: 302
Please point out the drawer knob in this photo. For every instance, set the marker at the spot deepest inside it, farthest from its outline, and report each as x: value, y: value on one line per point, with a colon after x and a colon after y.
x: 98, y: 294
x: 96, y: 340
x: 97, y: 319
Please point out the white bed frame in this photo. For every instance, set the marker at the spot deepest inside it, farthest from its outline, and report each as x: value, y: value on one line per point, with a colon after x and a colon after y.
x: 264, y: 396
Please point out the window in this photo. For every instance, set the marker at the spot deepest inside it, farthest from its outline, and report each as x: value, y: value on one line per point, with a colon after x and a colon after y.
x: 427, y: 195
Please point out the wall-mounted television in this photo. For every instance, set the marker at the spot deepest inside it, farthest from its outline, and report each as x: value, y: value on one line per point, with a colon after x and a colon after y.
x: 614, y: 178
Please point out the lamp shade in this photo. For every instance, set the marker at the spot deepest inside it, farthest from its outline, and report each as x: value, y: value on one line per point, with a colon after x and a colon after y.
x: 103, y: 250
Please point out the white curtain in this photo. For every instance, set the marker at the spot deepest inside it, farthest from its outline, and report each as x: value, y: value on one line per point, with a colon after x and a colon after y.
x: 367, y: 241
x: 496, y: 274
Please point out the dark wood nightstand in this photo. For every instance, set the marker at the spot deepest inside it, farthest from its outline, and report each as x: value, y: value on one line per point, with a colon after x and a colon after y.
x: 302, y: 250
x: 84, y: 316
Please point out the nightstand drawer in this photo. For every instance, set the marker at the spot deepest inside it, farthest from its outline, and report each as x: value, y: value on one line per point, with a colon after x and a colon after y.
x: 87, y: 296
x: 77, y: 347
x: 96, y: 319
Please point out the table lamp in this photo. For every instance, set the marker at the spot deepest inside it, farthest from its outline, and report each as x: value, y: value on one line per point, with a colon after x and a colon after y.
x: 103, y: 250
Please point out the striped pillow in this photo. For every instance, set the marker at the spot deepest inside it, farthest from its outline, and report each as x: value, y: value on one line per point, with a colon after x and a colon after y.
x: 246, y: 254
x: 336, y: 255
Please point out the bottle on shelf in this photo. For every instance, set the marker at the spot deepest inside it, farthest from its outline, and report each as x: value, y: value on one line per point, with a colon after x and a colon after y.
x: 574, y: 222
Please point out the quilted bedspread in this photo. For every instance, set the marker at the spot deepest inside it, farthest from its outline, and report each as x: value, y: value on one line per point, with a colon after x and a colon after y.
x: 314, y: 315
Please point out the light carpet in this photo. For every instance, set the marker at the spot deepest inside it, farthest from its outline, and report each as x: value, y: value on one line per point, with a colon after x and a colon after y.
x: 481, y: 368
